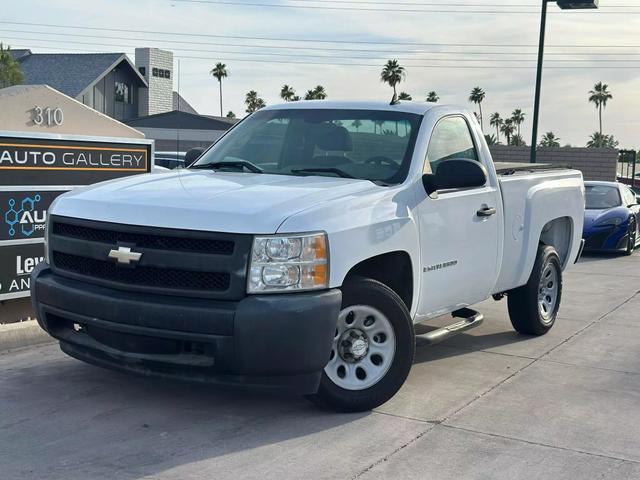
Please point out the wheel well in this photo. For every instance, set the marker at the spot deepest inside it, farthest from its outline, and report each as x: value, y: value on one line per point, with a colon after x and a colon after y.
x: 393, y: 269
x: 558, y: 233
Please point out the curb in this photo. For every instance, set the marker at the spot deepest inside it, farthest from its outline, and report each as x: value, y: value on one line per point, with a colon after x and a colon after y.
x: 22, y: 334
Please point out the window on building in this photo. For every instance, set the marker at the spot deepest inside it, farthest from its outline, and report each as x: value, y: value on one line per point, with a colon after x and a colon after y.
x: 123, y: 92
x: 154, y: 72
x: 142, y: 70
x: 161, y: 73
x: 167, y: 74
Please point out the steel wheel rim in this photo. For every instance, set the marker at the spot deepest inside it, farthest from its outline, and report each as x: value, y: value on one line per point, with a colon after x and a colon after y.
x: 548, y: 292
x: 364, y: 367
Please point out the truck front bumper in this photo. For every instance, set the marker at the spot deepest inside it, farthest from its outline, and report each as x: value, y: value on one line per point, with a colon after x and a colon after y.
x: 277, y: 341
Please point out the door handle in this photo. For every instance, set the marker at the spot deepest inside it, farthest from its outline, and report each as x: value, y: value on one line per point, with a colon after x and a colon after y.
x: 486, y: 211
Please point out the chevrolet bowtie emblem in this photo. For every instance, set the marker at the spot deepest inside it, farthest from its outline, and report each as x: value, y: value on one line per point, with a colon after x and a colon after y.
x: 124, y: 255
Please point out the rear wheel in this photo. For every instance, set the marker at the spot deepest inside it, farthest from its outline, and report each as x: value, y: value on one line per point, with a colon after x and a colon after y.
x: 631, y: 237
x: 372, y: 350
x: 534, y: 306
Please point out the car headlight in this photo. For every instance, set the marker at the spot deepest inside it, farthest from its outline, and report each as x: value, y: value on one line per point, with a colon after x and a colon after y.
x: 288, y: 262
x: 614, y: 221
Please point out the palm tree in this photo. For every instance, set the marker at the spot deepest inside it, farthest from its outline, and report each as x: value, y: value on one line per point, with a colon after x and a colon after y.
x: 518, y: 141
x: 230, y: 114
x: 404, y: 96
x: 392, y: 74
x: 507, y: 128
x: 599, y: 96
x: 496, y: 121
x: 598, y: 140
x: 287, y: 93
x: 549, y: 139
x: 220, y: 72
x: 319, y: 93
x: 491, y: 139
x: 477, y: 96
x: 356, y: 124
x: 253, y: 101
x: 518, y: 118
x: 432, y: 97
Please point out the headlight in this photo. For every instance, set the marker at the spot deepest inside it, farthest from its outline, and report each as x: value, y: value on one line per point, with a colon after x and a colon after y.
x: 288, y: 262
x: 615, y: 221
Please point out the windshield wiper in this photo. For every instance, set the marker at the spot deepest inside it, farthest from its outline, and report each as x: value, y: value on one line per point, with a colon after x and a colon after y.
x: 232, y: 163
x: 337, y: 171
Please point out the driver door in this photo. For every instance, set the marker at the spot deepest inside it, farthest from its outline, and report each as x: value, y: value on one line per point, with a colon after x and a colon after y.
x: 459, y: 236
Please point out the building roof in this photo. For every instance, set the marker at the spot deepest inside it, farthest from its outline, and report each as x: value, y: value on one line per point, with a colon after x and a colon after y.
x: 69, y: 73
x: 19, y: 53
x: 179, y: 103
x: 178, y: 119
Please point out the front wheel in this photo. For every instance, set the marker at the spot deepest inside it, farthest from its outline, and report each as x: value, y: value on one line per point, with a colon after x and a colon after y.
x: 533, y: 307
x: 631, y: 237
x: 372, y: 350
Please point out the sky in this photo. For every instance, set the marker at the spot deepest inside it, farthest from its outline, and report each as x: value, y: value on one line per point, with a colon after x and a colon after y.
x: 343, y: 46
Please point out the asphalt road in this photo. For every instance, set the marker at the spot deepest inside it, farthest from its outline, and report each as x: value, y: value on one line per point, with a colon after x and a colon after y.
x: 488, y: 404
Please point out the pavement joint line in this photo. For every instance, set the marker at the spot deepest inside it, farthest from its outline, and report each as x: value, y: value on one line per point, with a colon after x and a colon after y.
x: 540, y: 444
x: 587, y: 326
x: 467, y: 349
x: 405, y: 417
x: 389, y: 455
x: 626, y: 372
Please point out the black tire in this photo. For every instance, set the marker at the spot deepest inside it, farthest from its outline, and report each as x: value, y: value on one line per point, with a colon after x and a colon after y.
x: 368, y: 292
x: 524, y: 310
x: 631, y: 237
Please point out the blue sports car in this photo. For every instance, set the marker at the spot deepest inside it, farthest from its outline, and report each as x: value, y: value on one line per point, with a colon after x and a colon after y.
x: 611, y: 217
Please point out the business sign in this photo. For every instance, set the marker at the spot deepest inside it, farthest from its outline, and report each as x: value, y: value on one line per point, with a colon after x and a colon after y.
x: 16, y: 264
x: 31, y: 161
x: 35, y: 168
x: 23, y: 213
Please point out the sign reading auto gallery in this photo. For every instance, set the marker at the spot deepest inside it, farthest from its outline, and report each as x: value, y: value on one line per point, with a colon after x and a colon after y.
x: 29, y: 161
x: 34, y: 170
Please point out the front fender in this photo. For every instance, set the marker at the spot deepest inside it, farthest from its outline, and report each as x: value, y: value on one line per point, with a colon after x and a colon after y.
x: 361, y: 227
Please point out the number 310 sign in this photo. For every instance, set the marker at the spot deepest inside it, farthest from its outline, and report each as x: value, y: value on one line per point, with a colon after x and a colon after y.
x: 48, y: 116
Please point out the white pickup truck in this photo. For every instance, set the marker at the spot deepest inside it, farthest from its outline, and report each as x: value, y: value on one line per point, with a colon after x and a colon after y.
x: 299, y: 251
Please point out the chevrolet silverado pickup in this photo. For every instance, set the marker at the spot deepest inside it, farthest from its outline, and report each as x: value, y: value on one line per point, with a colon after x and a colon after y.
x: 299, y: 251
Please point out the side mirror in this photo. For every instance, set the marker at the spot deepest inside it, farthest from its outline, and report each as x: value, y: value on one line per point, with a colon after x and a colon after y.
x: 455, y: 173
x: 192, y: 155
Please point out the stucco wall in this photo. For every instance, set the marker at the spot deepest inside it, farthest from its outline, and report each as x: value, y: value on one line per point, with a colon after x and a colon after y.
x: 594, y: 163
x: 17, y: 103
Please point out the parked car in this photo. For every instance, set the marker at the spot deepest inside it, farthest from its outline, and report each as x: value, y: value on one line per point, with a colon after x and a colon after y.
x: 169, y: 160
x: 300, y: 249
x: 611, y: 218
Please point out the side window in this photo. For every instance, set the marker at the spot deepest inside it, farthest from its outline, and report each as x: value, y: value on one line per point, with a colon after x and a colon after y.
x: 629, y: 196
x: 451, y: 138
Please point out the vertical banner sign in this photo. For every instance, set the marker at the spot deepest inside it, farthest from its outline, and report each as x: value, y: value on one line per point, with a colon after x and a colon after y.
x: 34, y: 170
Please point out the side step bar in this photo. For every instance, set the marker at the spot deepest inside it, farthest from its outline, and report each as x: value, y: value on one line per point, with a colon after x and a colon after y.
x: 470, y: 317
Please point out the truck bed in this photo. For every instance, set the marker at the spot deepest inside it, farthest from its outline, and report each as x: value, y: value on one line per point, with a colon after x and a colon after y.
x: 510, y: 168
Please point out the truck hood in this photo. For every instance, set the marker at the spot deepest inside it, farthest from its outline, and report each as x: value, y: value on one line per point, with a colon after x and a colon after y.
x: 205, y: 200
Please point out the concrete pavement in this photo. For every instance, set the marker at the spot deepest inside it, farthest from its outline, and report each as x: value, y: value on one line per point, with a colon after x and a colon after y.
x: 488, y: 404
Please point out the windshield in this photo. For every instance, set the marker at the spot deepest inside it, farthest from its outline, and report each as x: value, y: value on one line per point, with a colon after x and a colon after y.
x: 365, y: 144
x: 600, y: 197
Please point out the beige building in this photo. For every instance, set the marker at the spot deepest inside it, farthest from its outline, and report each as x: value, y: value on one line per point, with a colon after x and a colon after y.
x: 40, y: 108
